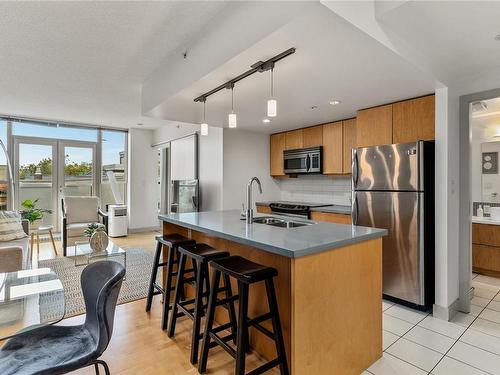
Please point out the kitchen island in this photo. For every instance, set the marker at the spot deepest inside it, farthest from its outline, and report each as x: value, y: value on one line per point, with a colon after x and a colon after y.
x: 329, y: 286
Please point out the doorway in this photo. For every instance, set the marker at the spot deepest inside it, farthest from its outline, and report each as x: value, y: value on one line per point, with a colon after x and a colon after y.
x: 45, y: 170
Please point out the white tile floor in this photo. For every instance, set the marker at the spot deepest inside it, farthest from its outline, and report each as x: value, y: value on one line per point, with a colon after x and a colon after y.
x: 417, y: 343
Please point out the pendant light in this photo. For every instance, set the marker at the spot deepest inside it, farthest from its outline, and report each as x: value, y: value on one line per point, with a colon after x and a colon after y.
x: 272, y: 104
x: 232, y: 116
x: 204, y: 125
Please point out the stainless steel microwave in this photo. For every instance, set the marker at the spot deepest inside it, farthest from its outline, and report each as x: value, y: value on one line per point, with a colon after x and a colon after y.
x: 304, y: 160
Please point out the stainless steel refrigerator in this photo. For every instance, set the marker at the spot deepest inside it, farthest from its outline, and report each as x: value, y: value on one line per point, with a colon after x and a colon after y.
x: 185, y: 196
x: 393, y: 188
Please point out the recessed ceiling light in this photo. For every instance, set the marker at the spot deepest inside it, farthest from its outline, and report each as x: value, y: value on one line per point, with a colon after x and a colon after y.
x: 497, y: 37
x: 334, y: 102
x: 266, y: 121
x: 140, y: 124
x: 314, y: 107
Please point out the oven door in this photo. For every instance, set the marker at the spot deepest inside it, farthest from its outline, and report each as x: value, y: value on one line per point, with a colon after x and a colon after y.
x: 296, y: 162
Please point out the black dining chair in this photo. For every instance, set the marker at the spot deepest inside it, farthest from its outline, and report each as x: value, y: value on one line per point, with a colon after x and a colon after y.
x: 60, y: 349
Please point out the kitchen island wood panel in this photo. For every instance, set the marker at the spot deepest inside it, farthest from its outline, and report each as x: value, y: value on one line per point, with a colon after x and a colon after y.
x: 319, y: 337
x: 336, y: 310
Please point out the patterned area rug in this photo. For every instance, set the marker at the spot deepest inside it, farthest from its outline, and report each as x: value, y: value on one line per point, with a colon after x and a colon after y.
x: 134, y: 287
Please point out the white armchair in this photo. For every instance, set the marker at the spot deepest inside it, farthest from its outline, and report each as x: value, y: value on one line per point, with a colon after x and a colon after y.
x: 77, y: 214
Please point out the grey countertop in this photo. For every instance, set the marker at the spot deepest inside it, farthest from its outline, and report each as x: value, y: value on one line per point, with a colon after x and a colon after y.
x: 332, y: 208
x: 292, y: 242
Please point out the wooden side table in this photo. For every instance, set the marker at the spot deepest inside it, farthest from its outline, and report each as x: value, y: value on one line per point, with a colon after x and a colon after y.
x: 42, y: 229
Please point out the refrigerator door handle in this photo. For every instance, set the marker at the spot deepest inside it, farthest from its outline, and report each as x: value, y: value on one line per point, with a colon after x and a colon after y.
x: 355, y: 169
x: 355, y: 209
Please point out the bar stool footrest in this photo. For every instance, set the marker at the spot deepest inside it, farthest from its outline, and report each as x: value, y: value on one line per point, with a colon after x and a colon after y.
x: 222, y: 341
x: 265, y: 367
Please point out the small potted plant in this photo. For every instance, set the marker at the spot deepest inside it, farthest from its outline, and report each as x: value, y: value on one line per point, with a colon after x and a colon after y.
x: 92, y: 228
x: 32, y: 213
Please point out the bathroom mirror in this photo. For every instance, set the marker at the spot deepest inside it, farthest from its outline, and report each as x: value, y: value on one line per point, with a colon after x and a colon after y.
x: 490, y: 174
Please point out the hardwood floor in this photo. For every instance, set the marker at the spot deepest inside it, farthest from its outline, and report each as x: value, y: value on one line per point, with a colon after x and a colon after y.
x: 139, y: 346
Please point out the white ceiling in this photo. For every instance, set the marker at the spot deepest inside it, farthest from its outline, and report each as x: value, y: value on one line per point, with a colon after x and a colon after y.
x: 334, y: 60
x: 86, y: 61
x: 457, y: 38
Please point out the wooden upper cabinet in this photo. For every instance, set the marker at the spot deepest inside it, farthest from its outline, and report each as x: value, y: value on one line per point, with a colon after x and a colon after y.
x: 312, y: 136
x: 277, y: 146
x: 332, y: 148
x: 374, y: 126
x: 414, y: 120
x: 293, y: 139
x: 349, y: 140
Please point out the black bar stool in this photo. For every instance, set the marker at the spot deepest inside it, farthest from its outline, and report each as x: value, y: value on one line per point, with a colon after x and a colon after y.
x: 200, y: 255
x: 172, y: 242
x: 246, y: 273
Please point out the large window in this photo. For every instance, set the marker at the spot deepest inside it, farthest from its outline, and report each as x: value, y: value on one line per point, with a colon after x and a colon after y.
x: 4, y: 172
x: 54, y: 131
x: 114, y: 162
x: 86, y: 157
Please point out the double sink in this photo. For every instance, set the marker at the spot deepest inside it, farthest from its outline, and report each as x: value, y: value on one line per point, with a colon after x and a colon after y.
x: 281, y: 223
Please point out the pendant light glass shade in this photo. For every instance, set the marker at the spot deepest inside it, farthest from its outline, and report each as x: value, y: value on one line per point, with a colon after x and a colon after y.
x: 204, y: 125
x: 272, y: 104
x: 272, y: 108
x: 204, y: 129
x: 231, y: 118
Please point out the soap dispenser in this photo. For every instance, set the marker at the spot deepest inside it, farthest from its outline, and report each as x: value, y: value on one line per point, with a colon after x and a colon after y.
x: 480, y: 212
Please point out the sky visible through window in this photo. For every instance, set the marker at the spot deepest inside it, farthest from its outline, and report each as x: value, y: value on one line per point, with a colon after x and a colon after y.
x: 113, y: 141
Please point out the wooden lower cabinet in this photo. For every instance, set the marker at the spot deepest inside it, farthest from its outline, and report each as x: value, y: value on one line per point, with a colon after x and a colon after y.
x: 486, y: 249
x: 331, y: 217
x: 263, y: 209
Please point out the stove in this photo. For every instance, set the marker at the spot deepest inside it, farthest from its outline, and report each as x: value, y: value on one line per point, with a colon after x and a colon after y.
x: 302, y: 210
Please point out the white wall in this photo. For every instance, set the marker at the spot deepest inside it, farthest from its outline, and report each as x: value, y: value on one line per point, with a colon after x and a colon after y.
x: 142, y: 174
x: 477, y: 138
x: 171, y: 131
x: 246, y: 154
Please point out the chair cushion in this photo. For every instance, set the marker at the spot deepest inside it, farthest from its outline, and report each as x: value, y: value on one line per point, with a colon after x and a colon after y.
x: 81, y: 209
x: 76, y: 229
x: 10, y: 226
x: 6, y: 247
x: 48, y: 350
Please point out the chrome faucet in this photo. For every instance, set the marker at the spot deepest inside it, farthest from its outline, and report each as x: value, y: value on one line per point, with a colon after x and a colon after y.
x: 249, y: 210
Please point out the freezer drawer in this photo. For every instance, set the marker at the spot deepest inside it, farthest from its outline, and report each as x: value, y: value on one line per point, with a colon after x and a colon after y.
x: 401, y: 213
x: 388, y: 167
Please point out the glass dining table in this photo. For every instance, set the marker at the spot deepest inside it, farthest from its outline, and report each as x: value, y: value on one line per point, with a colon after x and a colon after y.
x: 29, y: 299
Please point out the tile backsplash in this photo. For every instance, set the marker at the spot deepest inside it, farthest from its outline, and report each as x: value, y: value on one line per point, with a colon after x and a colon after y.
x: 316, y: 189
